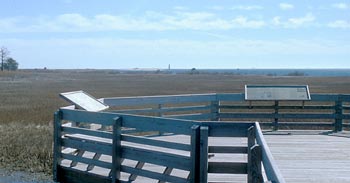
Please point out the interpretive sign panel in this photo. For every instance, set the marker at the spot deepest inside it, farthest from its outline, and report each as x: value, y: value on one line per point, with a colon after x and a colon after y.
x: 84, y: 101
x: 276, y: 93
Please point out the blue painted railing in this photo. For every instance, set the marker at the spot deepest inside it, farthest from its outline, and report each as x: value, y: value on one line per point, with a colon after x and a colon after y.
x: 123, y: 144
x: 323, y: 111
x: 73, y: 143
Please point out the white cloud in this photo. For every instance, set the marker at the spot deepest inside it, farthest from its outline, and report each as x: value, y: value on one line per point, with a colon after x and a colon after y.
x: 76, y: 20
x: 196, y: 15
x: 286, y: 6
x: 248, y: 8
x: 339, y: 24
x: 208, y: 21
x: 294, y: 22
x: 245, y: 23
x: 301, y: 20
x: 341, y: 6
x: 194, y: 21
x: 149, y: 21
x: 276, y: 21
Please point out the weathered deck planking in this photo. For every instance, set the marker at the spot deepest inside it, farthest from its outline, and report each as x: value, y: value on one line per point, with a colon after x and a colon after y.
x: 311, y: 158
x: 300, y: 156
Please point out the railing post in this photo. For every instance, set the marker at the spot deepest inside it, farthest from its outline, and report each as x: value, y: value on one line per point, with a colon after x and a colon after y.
x: 338, y: 124
x: 159, y: 114
x: 275, y: 124
x: 57, y: 147
x: 116, y: 150
x: 254, y: 158
x: 214, y: 110
x: 203, y: 171
x: 251, y: 143
x: 195, y: 154
x: 254, y: 165
x: 251, y: 136
x: 159, y: 107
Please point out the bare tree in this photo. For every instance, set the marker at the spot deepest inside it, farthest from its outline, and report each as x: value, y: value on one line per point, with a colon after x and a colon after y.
x: 3, y: 56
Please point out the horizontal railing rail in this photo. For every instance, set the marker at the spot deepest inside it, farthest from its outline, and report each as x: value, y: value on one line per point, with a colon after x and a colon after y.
x: 192, y: 98
x: 191, y: 107
x: 323, y: 111
x: 164, y: 99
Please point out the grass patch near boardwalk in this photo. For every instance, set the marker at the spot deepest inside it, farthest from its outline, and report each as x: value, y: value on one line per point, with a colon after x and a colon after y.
x: 26, y: 147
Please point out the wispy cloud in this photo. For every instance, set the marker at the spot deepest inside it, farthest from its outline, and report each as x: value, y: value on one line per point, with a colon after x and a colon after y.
x: 217, y: 8
x: 341, y: 6
x: 244, y: 22
x: 286, y: 6
x: 247, y: 7
x: 339, y: 24
x: 294, y: 22
x: 297, y: 22
x: 150, y: 21
x: 6, y: 24
x: 238, y: 7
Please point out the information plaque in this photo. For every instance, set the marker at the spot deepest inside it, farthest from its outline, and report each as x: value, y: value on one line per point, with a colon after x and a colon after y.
x: 277, y: 93
x: 84, y: 101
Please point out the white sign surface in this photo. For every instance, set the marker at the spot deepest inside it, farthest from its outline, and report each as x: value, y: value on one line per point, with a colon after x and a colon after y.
x: 84, y: 101
x: 255, y: 92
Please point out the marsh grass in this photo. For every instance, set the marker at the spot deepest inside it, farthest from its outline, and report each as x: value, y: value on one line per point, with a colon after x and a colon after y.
x: 29, y: 98
x: 26, y: 147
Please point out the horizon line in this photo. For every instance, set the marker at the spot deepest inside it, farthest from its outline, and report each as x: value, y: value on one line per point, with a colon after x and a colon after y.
x: 152, y: 69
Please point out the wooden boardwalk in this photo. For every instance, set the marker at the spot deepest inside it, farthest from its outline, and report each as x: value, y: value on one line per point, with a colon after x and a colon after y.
x: 311, y: 158
x: 202, y: 126
x: 300, y: 155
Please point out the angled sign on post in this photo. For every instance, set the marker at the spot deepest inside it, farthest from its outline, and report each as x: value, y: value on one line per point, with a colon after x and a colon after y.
x: 84, y: 101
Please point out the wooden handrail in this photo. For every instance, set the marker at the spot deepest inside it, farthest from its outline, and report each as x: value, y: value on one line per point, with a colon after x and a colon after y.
x: 218, y: 106
x: 272, y: 172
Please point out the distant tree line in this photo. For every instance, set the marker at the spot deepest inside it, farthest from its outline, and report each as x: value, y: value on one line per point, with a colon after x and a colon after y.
x: 7, y: 63
x: 296, y: 73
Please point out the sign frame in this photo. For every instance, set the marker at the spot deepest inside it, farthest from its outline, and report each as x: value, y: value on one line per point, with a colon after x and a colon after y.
x: 274, y: 93
x: 80, y: 102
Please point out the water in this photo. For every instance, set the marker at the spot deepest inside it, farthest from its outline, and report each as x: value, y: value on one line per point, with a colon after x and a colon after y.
x: 272, y: 72
x: 264, y: 72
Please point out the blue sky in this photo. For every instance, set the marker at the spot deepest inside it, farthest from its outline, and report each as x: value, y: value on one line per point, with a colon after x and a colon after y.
x: 227, y: 34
